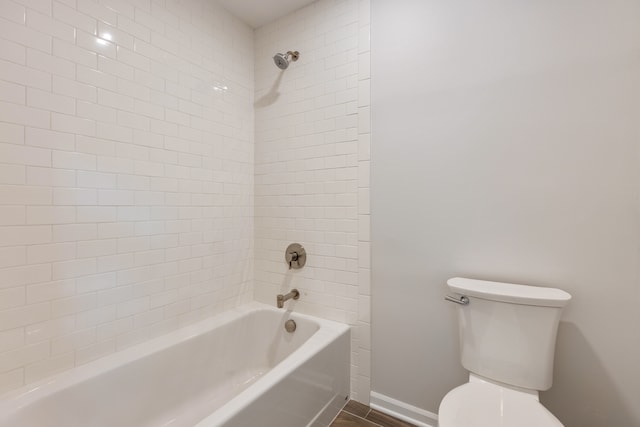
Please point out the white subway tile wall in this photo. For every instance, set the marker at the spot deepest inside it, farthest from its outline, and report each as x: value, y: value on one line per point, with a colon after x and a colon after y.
x: 312, y: 168
x: 126, y: 175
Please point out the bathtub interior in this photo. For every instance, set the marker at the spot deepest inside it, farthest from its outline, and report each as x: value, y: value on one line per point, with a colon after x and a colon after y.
x: 176, y: 386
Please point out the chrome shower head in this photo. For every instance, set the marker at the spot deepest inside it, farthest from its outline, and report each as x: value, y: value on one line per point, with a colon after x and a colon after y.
x: 282, y: 59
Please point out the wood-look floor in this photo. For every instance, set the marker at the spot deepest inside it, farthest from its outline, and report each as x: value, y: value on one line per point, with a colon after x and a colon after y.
x: 356, y: 414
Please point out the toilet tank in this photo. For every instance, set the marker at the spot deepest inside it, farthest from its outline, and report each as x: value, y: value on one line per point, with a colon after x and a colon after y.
x: 508, y: 331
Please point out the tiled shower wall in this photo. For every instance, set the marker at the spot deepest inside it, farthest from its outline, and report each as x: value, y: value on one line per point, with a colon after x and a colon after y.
x: 312, y: 167
x: 126, y: 175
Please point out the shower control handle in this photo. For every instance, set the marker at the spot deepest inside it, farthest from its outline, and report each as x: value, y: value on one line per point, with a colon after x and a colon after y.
x: 296, y: 256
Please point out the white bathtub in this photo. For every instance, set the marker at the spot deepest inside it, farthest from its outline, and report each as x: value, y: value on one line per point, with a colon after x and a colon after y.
x: 240, y: 369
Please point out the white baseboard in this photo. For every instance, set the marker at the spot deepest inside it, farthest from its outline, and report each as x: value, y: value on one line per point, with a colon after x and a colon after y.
x: 403, y: 411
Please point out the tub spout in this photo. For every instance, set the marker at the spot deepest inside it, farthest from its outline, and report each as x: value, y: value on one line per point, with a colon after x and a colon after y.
x: 280, y: 299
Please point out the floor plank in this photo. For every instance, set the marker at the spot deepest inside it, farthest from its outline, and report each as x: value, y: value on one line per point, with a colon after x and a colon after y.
x: 386, y: 420
x: 346, y: 419
x: 356, y: 414
x: 357, y: 408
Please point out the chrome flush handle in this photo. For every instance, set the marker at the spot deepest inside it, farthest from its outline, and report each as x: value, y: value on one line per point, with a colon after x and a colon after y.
x: 462, y: 300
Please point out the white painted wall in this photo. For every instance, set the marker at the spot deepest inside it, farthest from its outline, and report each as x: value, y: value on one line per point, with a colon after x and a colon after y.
x: 312, y: 167
x: 126, y: 175
x: 506, y: 143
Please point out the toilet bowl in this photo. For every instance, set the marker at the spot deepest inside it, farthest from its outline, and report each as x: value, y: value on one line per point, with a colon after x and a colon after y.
x: 481, y: 403
x: 507, y: 342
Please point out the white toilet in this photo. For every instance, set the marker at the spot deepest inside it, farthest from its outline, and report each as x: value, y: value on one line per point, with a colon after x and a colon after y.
x: 507, y: 343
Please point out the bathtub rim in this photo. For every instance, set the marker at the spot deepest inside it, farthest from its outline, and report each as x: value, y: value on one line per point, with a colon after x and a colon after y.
x: 14, y: 400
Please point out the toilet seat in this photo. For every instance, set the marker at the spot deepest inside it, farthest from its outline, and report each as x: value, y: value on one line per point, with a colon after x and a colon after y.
x: 479, y: 404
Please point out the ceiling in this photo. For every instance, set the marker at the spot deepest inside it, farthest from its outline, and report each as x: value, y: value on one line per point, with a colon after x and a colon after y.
x: 256, y: 13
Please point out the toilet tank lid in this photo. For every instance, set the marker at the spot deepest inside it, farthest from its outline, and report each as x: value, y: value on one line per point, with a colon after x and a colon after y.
x: 509, y: 292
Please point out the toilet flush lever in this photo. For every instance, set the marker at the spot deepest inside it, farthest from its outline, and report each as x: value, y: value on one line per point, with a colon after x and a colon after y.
x: 462, y: 300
